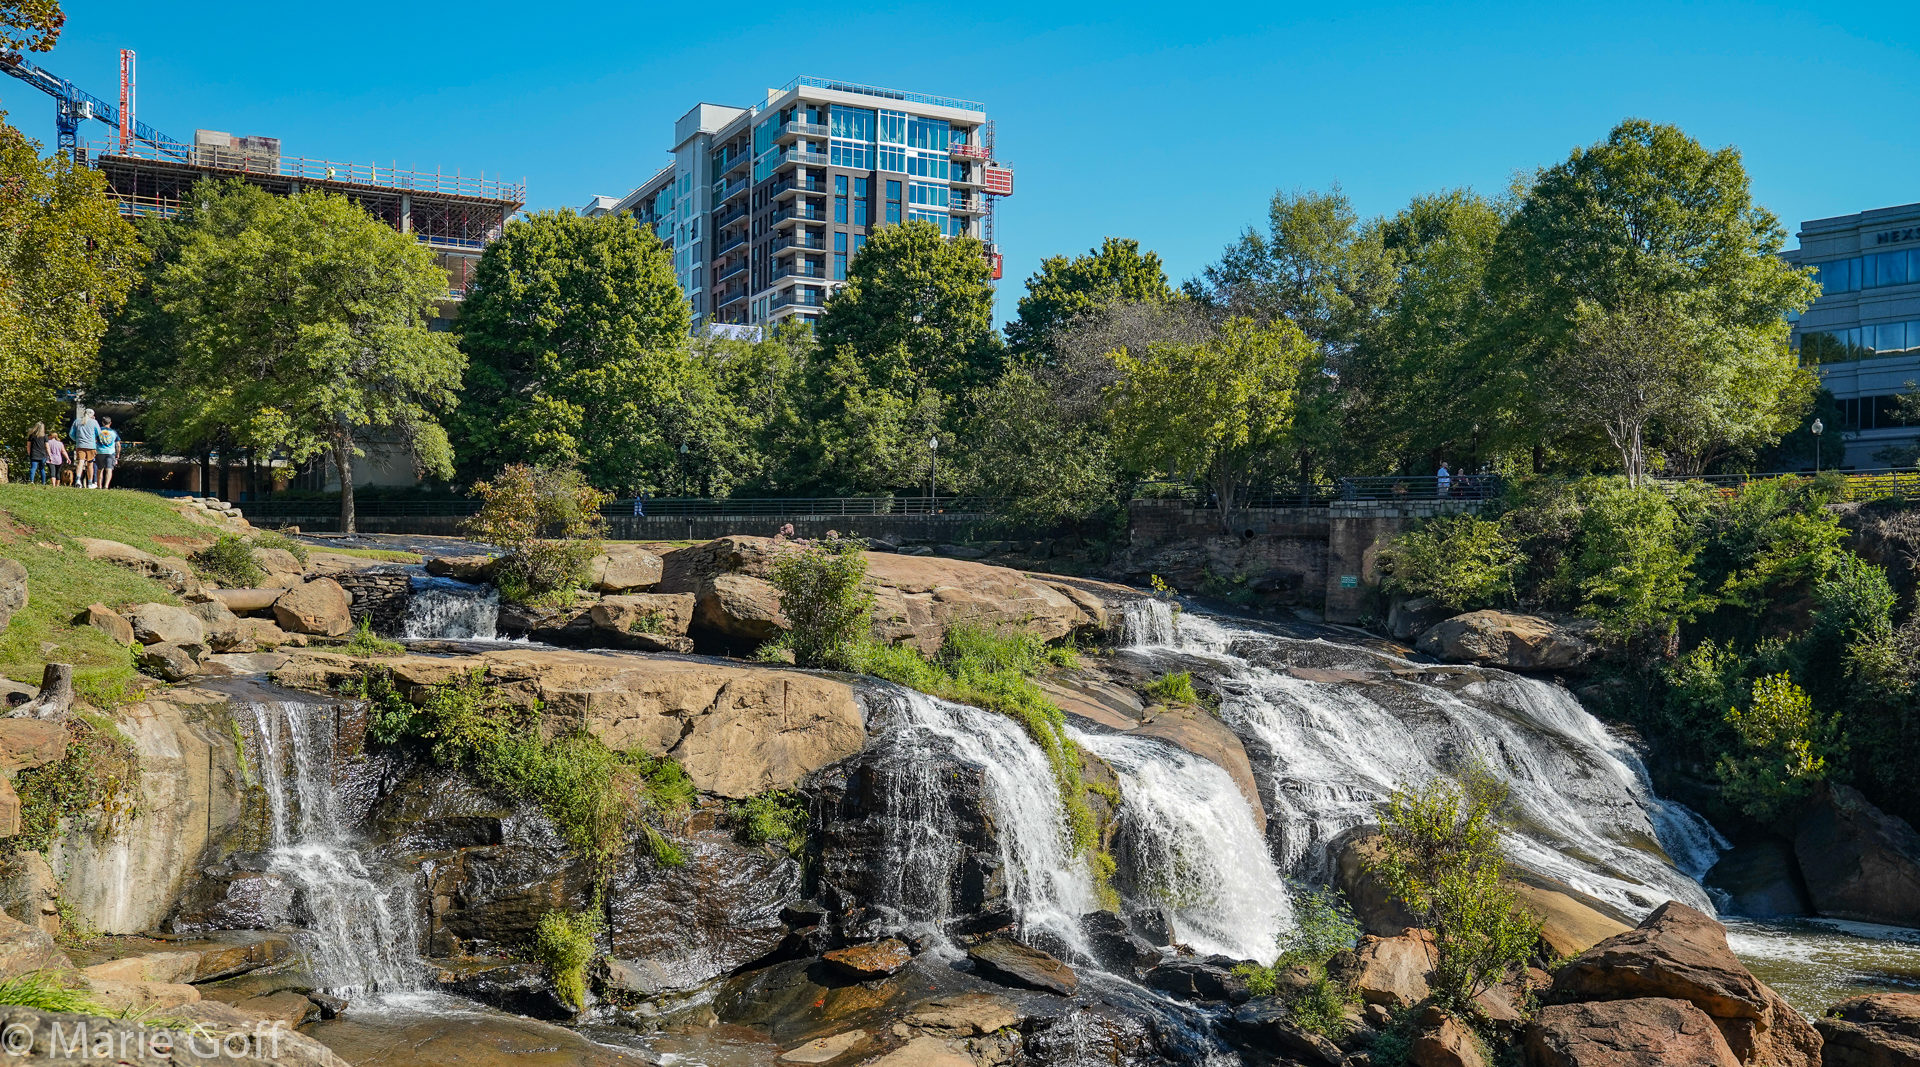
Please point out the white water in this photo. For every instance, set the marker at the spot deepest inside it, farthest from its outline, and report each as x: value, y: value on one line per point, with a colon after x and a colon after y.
x: 1333, y: 746
x: 364, y: 931
x: 1189, y: 841
x: 451, y: 611
x: 1048, y: 887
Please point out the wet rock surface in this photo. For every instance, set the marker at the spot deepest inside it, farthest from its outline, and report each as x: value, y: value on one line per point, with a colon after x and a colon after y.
x: 1881, y: 1030
x: 1012, y: 963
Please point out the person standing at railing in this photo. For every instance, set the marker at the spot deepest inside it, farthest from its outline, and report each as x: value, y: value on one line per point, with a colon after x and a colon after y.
x: 1442, y: 481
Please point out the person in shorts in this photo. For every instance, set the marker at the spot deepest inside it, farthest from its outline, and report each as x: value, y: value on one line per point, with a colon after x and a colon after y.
x: 56, y: 458
x: 107, y: 456
x: 85, y: 435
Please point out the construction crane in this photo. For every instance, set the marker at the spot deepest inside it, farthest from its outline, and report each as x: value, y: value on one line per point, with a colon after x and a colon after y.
x: 73, y: 105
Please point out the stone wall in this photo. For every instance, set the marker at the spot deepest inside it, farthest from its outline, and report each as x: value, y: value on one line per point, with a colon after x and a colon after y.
x: 939, y: 529
x: 379, y: 597
x: 1309, y: 557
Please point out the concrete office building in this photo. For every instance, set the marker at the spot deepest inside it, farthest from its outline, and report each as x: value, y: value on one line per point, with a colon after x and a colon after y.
x: 1864, y: 331
x: 763, y: 206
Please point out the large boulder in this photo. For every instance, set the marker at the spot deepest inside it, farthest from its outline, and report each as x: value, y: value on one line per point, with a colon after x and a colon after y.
x: 650, y: 622
x: 473, y: 569
x: 166, y: 661
x: 1879, y: 1030
x: 736, y: 730
x: 1441, y: 1040
x: 221, y: 625
x: 623, y: 569
x: 107, y: 621
x: 1515, y: 642
x: 1761, y: 880
x: 1681, y: 953
x: 1410, y: 617
x: 175, y: 574
x: 319, y: 607
x: 278, y: 562
x: 739, y: 609
x: 13, y: 589
x: 685, y: 925
x: 1392, y: 971
x: 1859, y: 862
x: 154, y: 623
x: 1011, y: 963
x: 28, y: 743
x: 25, y: 948
x: 1643, y: 1032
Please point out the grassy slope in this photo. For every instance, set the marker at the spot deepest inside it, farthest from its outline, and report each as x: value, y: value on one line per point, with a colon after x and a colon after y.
x: 38, y: 527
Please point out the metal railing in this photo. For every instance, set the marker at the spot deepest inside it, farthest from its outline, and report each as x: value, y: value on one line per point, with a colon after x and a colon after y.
x: 968, y: 151
x: 727, y: 507
x: 811, y: 185
x: 1875, y: 483
x: 222, y: 158
x: 811, y: 159
x: 784, y: 243
x: 808, y: 213
x: 799, y: 298
x: 796, y: 128
x: 813, y: 81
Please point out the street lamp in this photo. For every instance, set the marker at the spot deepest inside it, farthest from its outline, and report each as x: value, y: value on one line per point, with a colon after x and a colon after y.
x: 933, y: 474
x: 683, y: 469
x: 1818, y: 428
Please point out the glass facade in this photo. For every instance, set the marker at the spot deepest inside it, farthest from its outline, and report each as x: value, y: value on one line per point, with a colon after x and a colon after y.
x: 1861, y: 342
x: 1870, y: 271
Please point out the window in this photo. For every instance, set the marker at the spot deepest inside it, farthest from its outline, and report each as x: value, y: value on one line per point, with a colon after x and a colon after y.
x: 840, y: 199
x: 928, y: 194
x: 859, y: 242
x: 863, y: 202
x: 891, y: 159
x: 893, y: 127
x: 928, y: 133
x: 840, y: 257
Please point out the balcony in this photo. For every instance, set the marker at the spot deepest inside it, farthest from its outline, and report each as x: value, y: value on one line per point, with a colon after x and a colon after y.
x: 804, y: 240
x: 803, y: 212
x: 724, y: 191
x: 733, y: 271
x: 730, y: 298
x: 802, y: 157
x: 796, y: 129
x: 972, y: 205
x: 782, y: 189
x: 805, y: 298
x: 802, y: 269
x: 968, y: 151
x: 737, y: 211
x: 730, y: 244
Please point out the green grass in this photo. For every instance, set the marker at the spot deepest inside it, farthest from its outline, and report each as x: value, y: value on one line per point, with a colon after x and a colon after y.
x: 1170, y: 689
x: 775, y: 817
x: 364, y: 642
x: 564, y: 941
x: 43, y: 991
x: 39, y: 526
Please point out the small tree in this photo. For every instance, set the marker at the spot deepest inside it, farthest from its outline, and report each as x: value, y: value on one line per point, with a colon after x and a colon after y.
x: 1634, y: 567
x: 829, y: 609
x: 1785, y: 749
x: 1441, y: 857
x: 1630, y: 365
x: 547, y: 520
x: 1219, y: 408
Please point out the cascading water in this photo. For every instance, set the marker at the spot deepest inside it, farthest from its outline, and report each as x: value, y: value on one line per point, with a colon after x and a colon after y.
x: 1048, y: 887
x: 1188, y: 840
x: 450, y: 610
x: 1337, y: 727
x: 364, y: 933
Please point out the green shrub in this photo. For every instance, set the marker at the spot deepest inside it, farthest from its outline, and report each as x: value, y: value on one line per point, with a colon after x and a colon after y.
x: 776, y: 817
x: 564, y: 941
x: 1462, y: 561
x: 595, y: 796
x: 1170, y: 689
x: 546, y: 521
x: 228, y: 561
x: 1633, y: 569
x: 828, y: 607
x: 275, y: 539
x: 97, y: 781
x: 364, y: 642
x: 1323, y: 926
x: 1441, y: 857
x: 1785, y: 749
x: 1765, y: 544
x: 1854, y: 602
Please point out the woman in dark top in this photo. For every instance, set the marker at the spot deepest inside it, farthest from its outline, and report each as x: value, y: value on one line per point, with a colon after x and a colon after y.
x: 37, y: 452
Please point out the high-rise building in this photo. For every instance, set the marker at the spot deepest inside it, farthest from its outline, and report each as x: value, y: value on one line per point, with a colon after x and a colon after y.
x: 1863, y: 333
x: 763, y: 206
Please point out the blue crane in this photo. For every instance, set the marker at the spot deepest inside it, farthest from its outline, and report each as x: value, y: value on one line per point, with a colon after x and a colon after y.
x: 72, y: 105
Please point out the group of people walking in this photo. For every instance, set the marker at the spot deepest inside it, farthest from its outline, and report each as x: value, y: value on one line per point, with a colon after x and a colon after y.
x: 86, y: 458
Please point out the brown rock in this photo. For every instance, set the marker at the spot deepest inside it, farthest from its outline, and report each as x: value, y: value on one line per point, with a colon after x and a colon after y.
x: 155, y: 623
x: 623, y: 569
x: 168, y: 967
x: 1012, y: 963
x: 266, y: 633
x: 925, y: 1051
x: 277, y: 561
x: 1682, y: 954
x: 1642, y: 1032
x: 249, y: 601
x: 318, y: 607
x: 118, y: 996
x: 25, y: 948
x: 287, y: 1008
x: 740, y: 608
x: 1393, y: 970
x: 826, y: 1049
x: 1515, y: 642
x: 166, y: 661
x: 107, y: 621
x: 1440, y: 1040
x: 875, y: 959
x: 9, y: 808
x: 221, y: 626
x: 650, y: 622
x: 966, y: 1015
x: 1879, y: 1030
x: 173, y: 572
x: 28, y: 743
x: 13, y: 589
x: 475, y: 569
x: 1569, y: 923
x: 1859, y: 862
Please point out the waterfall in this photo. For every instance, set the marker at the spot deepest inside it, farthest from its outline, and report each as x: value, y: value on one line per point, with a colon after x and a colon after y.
x: 1188, y: 841
x: 1336, y: 727
x: 449, y: 610
x: 364, y: 932
x: 1048, y: 887
x: 1149, y: 623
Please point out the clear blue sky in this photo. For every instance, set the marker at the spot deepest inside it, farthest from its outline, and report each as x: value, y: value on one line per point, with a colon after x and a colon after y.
x: 1172, y: 124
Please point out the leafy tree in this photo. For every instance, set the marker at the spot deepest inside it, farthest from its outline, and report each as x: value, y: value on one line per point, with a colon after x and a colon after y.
x: 1633, y: 363
x: 1646, y: 218
x: 1441, y: 856
x: 1064, y: 289
x: 576, y: 330
x: 67, y: 263
x: 302, y: 325
x: 30, y: 25
x: 547, y: 522
x: 846, y: 432
x: 1462, y: 561
x: 1634, y: 565
x: 1319, y: 266
x: 1219, y: 408
x: 1766, y: 545
x: 1785, y: 749
x: 1021, y: 447
x: 917, y: 312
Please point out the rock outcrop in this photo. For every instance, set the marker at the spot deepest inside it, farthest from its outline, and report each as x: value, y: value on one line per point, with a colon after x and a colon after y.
x: 1514, y: 642
x: 1012, y: 963
x: 623, y: 569
x: 164, y: 623
x: 1641, y: 1032
x: 1859, y: 862
x: 1880, y: 1030
x: 13, y: 589
x: 1679, y: 953
x: 318, y: 606
x: 107, y: 621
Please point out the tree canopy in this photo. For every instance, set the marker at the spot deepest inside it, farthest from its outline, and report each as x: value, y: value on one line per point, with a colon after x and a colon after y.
x: 917, y: 311
x: 301, y: 325
x: 1064, y: 289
